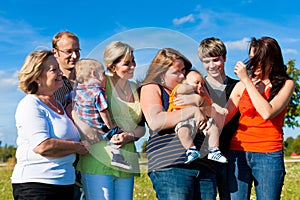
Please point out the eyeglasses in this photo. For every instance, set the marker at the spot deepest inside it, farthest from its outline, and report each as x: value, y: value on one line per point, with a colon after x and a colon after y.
x: 69, y: 52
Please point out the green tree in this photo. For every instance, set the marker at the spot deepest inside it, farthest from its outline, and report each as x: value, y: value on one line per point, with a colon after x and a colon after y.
x: 294, y: 106
x: 296, y: 145
x: 287, y: 144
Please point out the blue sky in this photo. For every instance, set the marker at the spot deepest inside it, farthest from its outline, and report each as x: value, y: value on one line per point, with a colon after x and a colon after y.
x: 28, y: 25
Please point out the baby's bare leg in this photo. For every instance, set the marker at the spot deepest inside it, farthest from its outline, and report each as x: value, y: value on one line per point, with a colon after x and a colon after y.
x: 213, y: 144
x: 184, y: 135
x: 213, y: 136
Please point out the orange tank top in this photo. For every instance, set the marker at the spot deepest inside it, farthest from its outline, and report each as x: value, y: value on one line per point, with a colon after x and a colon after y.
x: 255, y: 134
x: 172, y: 106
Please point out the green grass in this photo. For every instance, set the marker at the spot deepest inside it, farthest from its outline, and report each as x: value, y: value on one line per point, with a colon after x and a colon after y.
x: 5, y: 185
x: 143, y: 189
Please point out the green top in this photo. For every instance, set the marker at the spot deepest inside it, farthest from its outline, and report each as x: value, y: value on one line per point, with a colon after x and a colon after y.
x: 127, y: 116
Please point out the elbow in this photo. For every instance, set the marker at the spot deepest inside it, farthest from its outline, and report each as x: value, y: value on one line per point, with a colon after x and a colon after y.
x: 42, y: 149
x: 266, y: 116
x: 154, y: 126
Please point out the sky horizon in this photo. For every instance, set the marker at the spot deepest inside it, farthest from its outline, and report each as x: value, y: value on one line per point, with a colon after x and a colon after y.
x: 29, y: 25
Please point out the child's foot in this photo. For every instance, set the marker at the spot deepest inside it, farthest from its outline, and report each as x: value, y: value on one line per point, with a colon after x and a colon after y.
x: 191, y: 155
x: 216, y: 155
x: 118, y: 161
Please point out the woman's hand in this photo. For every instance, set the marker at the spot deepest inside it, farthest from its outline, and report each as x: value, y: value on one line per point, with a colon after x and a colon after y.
x: 121, y: 139
x: 240, y: 70
x: 188, y: 99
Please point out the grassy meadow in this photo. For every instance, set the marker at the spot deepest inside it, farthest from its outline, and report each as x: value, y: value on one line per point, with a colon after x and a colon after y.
x: 143, y: 188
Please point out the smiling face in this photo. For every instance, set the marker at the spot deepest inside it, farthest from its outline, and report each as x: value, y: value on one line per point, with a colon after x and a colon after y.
x: 67, y: 52
x: 125, y: 68
x: 214, y: 66
x: 51, y: 78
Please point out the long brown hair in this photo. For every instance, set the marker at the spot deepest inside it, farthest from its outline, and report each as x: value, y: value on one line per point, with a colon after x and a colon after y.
x: 160, y: 64
x: 267, y: 53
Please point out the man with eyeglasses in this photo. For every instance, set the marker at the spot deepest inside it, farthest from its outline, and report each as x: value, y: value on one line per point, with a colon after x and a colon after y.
x: 66, y: 49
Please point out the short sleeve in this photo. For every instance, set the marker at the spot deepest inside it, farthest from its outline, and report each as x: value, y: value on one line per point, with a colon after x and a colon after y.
x: 101, y: 101
x: 31, y: 122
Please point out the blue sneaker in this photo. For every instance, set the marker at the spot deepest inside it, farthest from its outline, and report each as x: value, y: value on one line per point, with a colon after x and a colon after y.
x: 191, y: 155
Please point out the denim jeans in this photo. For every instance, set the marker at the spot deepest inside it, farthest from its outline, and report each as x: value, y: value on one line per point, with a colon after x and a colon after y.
x: 265, y: 169
x: 184, y: 184
x: 222, y: 181
x: 97, y: 187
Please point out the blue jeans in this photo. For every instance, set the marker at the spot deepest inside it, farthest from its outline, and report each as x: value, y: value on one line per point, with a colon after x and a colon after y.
x: 97, y: 187
x: 183, y: 184
x: 265, y: 169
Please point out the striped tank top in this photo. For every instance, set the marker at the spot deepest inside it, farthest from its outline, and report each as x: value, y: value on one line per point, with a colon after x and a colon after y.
x: 164, y: 149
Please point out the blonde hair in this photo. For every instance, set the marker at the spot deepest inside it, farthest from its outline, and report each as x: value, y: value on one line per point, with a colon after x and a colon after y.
x: 211, y: 47
x: 115, y: 52
x: 84, y: 68
x: 160, y: 64
x: 31, y: 69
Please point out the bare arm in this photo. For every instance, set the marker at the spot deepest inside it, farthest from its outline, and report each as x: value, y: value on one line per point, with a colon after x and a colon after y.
x: 157, y: 118
x: 188, y: 99
x: 106, y: 118
x: 266, y: 109
x: 59, y: 148
x: 126, y: 137
x: 185, y: 89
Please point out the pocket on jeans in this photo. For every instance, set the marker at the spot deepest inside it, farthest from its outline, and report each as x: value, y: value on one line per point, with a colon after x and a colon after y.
x: 277, y: 154
x: 155, y: 173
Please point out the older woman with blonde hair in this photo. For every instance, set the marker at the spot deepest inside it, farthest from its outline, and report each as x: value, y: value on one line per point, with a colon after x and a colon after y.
x: 47, y: 140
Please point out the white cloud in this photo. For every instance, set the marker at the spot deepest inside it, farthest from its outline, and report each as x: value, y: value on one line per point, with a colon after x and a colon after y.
x: 182, y: 20
x: 238, y: 45
x: 8, y: 81
x: 290, y: 51
x: 292, y: 40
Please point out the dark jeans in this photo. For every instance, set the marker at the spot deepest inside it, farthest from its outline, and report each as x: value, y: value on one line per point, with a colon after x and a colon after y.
x: 41, y: 191
x: 222, y: 181
x: 184, y: 184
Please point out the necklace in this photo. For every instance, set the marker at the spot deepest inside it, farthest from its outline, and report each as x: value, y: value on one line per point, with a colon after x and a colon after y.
x: 57, y: 108
x: 124, y: 91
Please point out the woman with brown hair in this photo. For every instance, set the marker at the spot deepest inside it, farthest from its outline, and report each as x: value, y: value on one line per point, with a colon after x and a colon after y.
x: 256, y: 150
x: 171, y: 178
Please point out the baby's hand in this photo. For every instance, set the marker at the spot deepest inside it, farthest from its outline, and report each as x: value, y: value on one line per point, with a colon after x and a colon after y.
x: 219, y: 109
